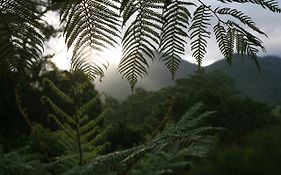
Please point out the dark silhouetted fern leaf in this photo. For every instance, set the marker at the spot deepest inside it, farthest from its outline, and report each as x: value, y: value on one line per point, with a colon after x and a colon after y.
x: 91, y: 26
x: 240, y: 16
x: 222, y: 41
x: 199, y: 32
x: 21, y: 43
x: 176, y: 18
x: 246, y: 43
x: 141, y: 39
x: 268, y: 4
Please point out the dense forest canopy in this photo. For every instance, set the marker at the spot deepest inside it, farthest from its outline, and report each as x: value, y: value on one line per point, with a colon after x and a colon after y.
x: 55, y: 122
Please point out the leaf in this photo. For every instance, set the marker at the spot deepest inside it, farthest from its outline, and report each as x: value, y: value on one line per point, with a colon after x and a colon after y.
x: 140, y: 40
x: 176, y: 18
x: 91, y: 26
x: 21, y: 43
x: 199, y: 33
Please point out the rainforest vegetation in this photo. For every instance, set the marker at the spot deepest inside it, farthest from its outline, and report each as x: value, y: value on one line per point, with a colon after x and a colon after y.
x: 55, y: 122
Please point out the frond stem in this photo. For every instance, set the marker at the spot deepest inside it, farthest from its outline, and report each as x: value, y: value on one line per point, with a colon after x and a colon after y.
x: 79, y: 140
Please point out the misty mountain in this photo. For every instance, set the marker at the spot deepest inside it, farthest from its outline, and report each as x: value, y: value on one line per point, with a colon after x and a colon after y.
x: 264, y: 85
x: 158, y: 77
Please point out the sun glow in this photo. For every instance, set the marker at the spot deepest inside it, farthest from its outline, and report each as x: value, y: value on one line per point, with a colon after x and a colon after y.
x: 62, y: 56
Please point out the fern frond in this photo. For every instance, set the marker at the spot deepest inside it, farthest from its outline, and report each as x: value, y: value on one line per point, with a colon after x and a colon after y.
x: 109, y: 161
x: 140, y: 40
x: 230, y: 44
x: 79, y: 88
x: 199, y: 32
x: 81, y: 136
x: 21, y: 43
x: 247, y: 43
x: 268, y: 4
x: 47, y: 82
x: 91, y: 124
x: 222, y: 41
x: 64, y: 126
x: 84, y: 62
x: 188, y: 132
x: 91, y: 26
x: 240, y: 16
x: 176, y: 18
x: 56, y: 109
x: 85, y: 107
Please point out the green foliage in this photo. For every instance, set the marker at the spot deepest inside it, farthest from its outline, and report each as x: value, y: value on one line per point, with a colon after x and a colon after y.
x: 259, y: 155
x: 188, y: 132
x: 211, y: 88
x: 64, y: 81
x: 242, y: 116
x: 163, y: 163
x: 50, y: 139
x: 21, y: 43
x: 22, y: 162
x: 150, y: 136
x: 238, y: 114
x: 82, y: 135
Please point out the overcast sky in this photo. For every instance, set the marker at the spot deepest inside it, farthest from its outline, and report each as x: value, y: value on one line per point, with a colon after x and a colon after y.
x: 269, y: 22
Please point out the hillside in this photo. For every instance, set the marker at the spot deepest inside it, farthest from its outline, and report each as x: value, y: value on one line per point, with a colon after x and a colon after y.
x: 264, y: 85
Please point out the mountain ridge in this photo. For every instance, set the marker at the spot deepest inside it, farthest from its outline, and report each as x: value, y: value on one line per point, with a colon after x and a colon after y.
x: 264, y: 85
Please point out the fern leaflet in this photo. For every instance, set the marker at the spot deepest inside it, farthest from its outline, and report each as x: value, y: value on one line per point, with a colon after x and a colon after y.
x: 91, y: 26
x: 199, y: 32
x: 172, y: 44
x: 140, y: 39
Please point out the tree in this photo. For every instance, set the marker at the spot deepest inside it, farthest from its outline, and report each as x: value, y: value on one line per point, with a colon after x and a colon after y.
x: 162, y: 26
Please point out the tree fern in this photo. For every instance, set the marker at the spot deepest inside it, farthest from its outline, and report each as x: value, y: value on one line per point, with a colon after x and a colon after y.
x: 149, y: 26
x: 82, y: 135
x: 175, y: 17
x: 21, y: 43
x: 187, y: 132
